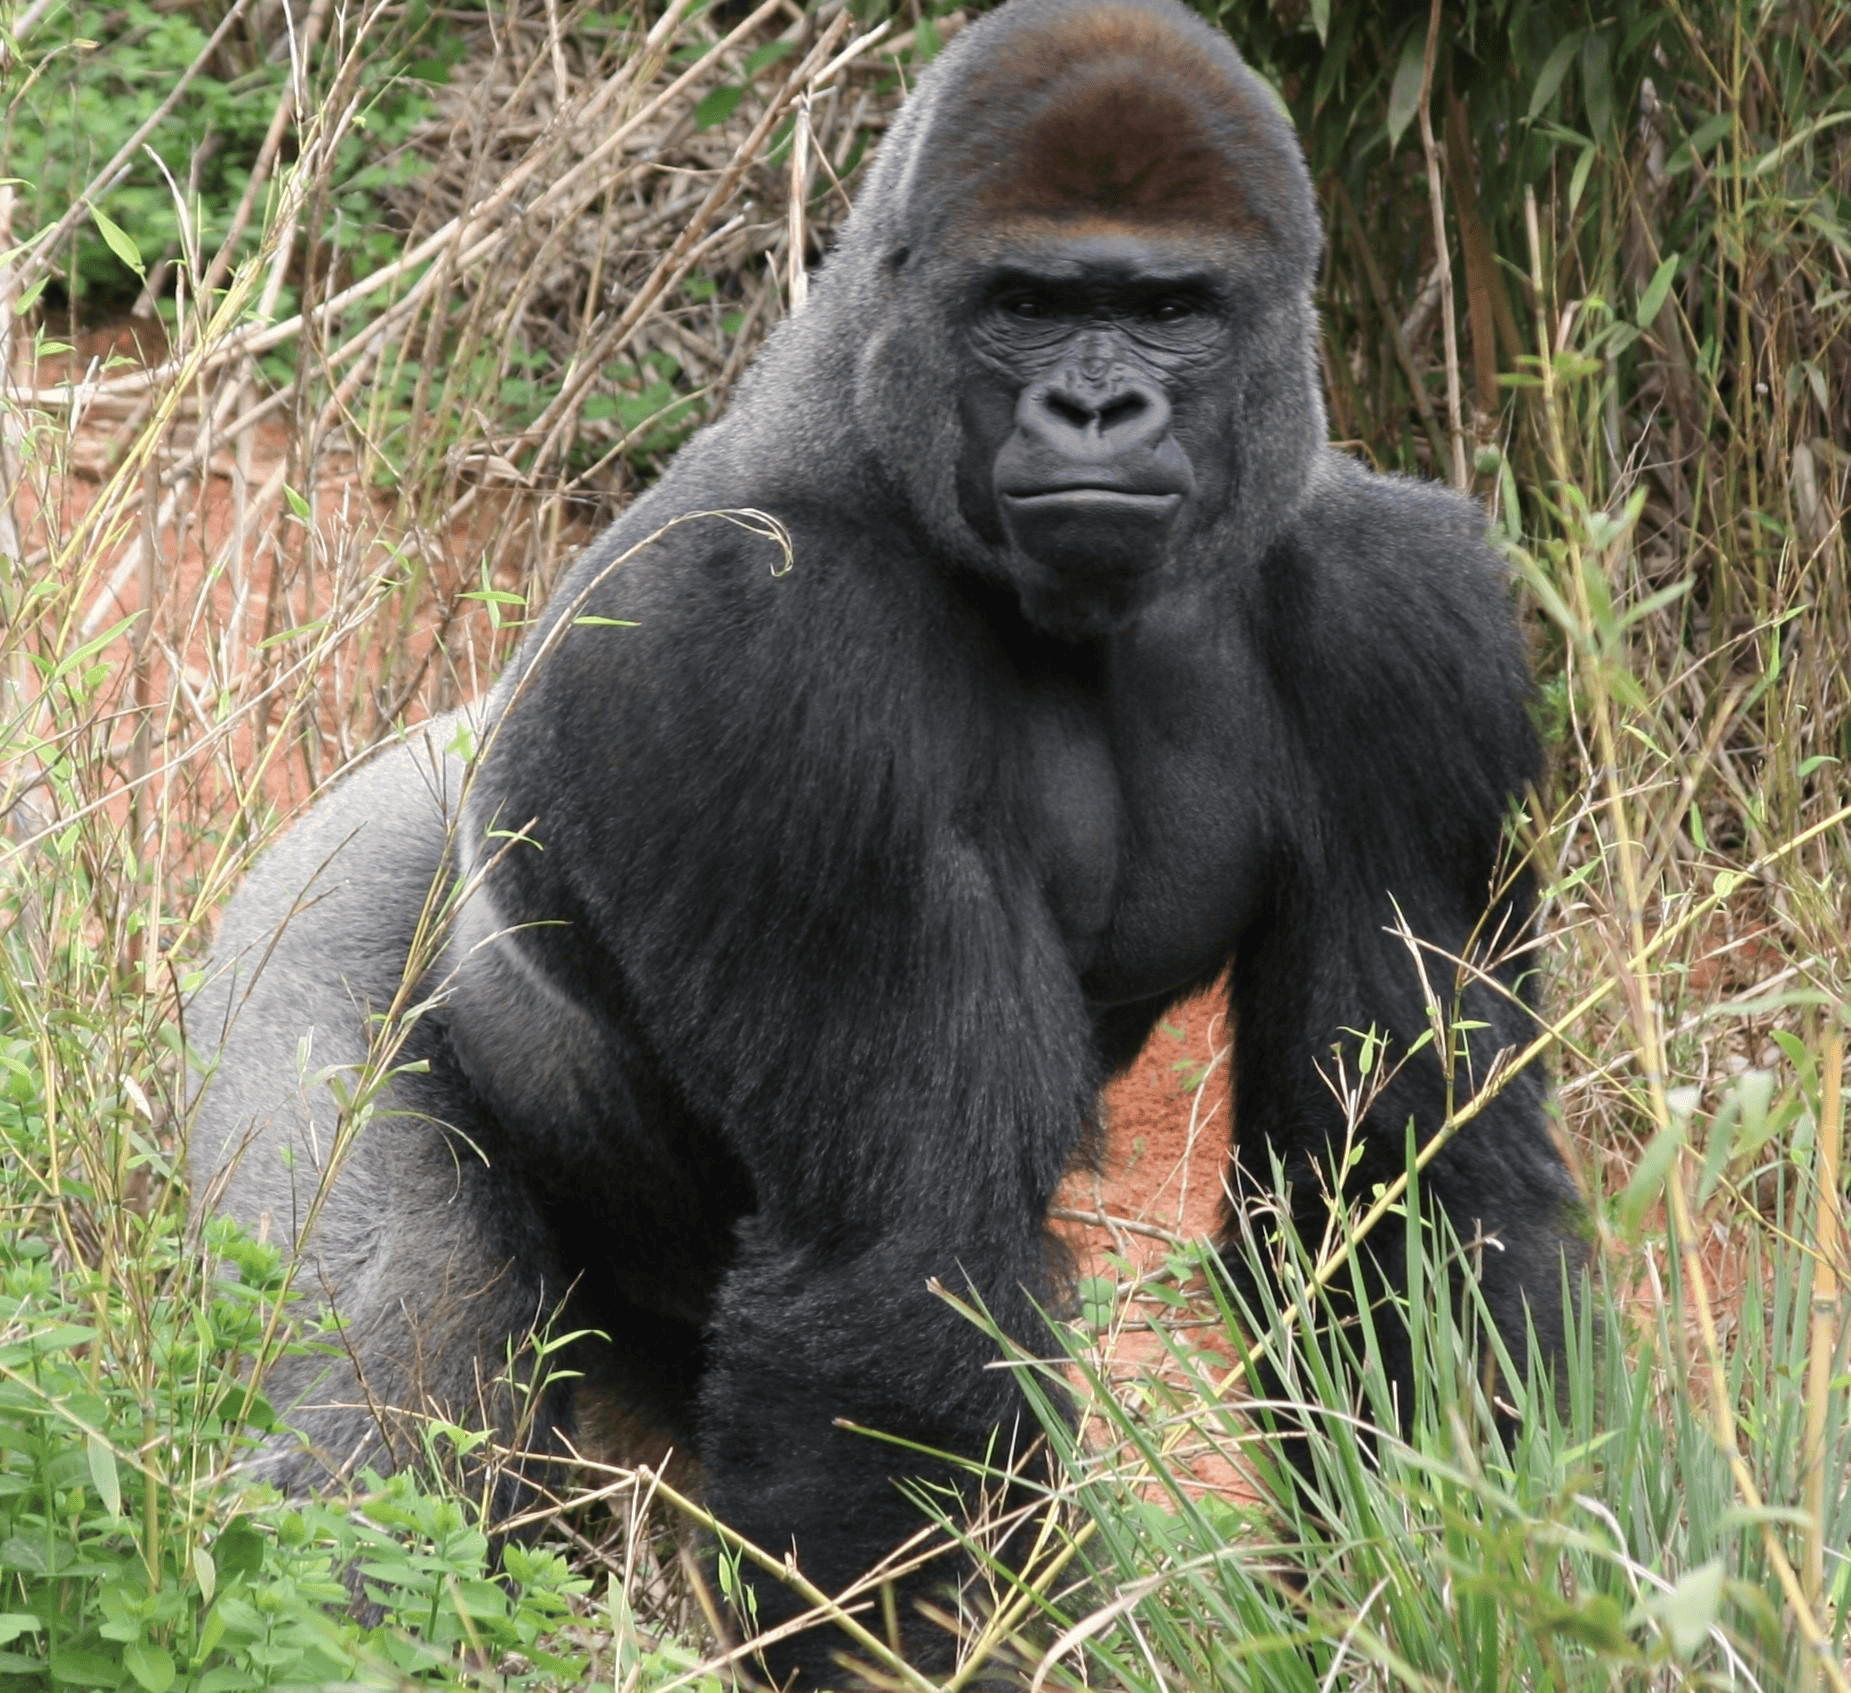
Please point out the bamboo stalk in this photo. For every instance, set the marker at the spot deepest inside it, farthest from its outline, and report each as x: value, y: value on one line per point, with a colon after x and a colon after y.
x: 1404, y: 354
x: 1487, y: 305
x: 1827, y: 1310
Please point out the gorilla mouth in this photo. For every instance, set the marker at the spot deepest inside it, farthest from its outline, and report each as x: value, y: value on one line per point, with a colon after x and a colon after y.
x: 1091, y: 529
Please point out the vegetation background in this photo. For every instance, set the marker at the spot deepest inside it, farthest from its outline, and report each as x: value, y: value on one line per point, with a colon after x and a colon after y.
x: 327, y: 327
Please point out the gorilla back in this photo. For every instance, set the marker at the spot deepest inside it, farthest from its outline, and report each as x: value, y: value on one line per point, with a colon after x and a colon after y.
x: 805, y: 893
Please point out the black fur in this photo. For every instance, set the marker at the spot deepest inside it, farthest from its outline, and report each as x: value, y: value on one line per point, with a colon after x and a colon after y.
x: 840, y: 882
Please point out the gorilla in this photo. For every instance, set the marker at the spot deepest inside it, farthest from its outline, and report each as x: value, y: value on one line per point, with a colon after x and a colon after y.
x: 1014, y: 659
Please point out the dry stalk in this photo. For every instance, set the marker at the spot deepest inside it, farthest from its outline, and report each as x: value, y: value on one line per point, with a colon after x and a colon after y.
x: 1404, y: 354
x: 797, y: 278
x: 9, y: 458
x: 287, y: 104
x: 471, y: 235
x: 1436, y: 196
x: 679, y: 259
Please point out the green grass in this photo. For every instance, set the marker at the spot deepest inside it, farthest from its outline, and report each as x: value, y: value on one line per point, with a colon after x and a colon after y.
x: 362, y: 431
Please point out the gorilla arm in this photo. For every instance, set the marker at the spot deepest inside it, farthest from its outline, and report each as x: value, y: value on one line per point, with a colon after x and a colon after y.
x: 1404, y: 689
x: 963, y: 1105
x: 811, y: 922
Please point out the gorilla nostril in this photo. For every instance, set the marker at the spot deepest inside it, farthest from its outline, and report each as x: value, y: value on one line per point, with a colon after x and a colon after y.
x: 1075, y: 414
x: 1121, y: 410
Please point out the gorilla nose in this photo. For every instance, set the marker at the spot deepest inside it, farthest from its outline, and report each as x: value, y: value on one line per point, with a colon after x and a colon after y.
x: 1080, y: 416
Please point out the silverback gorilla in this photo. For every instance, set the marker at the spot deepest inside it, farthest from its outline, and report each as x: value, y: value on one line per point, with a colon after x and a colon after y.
x: 804, y: 899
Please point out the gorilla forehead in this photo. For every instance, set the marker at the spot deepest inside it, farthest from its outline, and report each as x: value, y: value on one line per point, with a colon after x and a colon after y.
x: 1126, y: 113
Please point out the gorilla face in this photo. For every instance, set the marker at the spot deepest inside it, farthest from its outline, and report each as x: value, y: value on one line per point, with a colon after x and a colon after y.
x: 1094, y: 361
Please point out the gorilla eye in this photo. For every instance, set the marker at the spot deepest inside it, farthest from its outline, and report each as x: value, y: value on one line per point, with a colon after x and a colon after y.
x: 1032, y: 308
x: 1172, y: 308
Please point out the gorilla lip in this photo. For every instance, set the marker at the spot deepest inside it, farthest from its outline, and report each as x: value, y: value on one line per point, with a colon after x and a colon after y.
x: 1097, y: 500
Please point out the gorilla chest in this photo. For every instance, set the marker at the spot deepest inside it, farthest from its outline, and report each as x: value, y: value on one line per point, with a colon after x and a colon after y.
x: 1146, y: 855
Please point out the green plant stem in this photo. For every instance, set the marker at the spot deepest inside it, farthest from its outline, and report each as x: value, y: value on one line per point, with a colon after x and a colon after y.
x: 1827, y: 1315
x: 825, y: 1608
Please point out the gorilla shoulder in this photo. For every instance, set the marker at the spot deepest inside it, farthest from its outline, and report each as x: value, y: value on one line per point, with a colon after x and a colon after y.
x: 1389, y: 565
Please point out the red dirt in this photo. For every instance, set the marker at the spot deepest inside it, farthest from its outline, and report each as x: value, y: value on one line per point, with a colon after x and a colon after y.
x: 1166, y: 1137
x: 1167, y: 1125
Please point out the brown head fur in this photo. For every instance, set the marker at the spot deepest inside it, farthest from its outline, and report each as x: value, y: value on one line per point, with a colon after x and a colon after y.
x: 1121, y: 116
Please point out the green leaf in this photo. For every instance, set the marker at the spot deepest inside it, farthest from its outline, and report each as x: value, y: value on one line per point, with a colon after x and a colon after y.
x: 1543, y: 586
x: 769, y: 54
x: 463, y: 742
x: 211, y: 1632
x: 1720, y: 1145
x: 1404, y: 94
x: 15, y: 1623
x: 1652, y: 301
x: 1549, y: 78
x: 1652, y: 604
x: 73, y: 662
x: 1702, y: 139
x: 1597, y: 83
x: 19, y: 1553
x: 718, y: 105
x: 103, y: 1473
x: 78, y: 1666
x: 1578, y: 182
x: 119, y: 241
x: 1690, y: 1610
x: 1596, y: 1622
x: 1320, y: 20
x: 1648, y: 1180
x: 151, y: 1665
